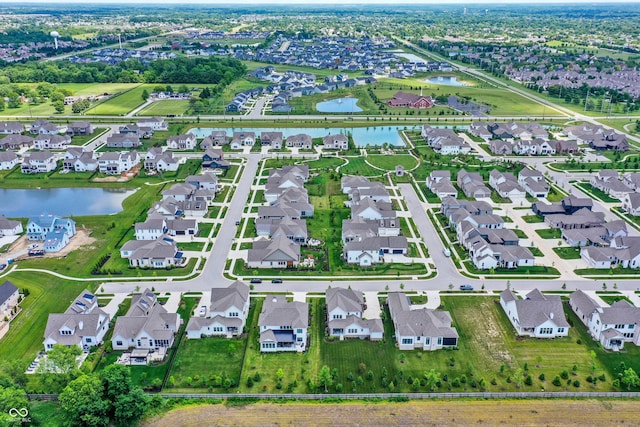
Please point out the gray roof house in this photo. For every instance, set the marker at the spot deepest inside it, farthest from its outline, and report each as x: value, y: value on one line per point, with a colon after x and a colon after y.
x: 283, y: 325
x: 160, y: 253
x: 147, y: 325
x: 345, y: 308
x: 277, y: 253
x: 420, y: 328
x: 9, y: 295
x: 226, y: 315
x: 10, y: 227
x: 83, y: 324
x: 8, y: 160
x: 611, y: 326
x: 538, y: 315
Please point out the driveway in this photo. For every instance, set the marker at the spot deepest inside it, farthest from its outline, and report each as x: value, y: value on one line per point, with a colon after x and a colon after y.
x: 373, y: 310
x: 112, y: 308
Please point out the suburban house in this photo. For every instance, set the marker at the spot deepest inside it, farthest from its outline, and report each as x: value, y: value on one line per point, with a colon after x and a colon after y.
x: 158, y: 160
x: 410, y: 100
x: 155, y: 123
x: 54, y: 231
x: 345, y: 308
x: 506, y: 185
x: 9, y: 296
x: 420, y: 328
x: 151, y: 229
x: 611, y: 326
x: 294, y: 229
x: 533, y: 183
x: 608, y: 181
x: 123, y: 140
x: 631, y: 203
x: 146, y: 326
x: 205, y: 181
x: 43, y: 127
x: 538, y: 315
x: 160, y: 253
x: 80, y: 128
x: 472, y: 184
x: 225, y: 316
x: 277, y: 253
x: 480, y: 130
x: 9, y: 227
x: 77, y: 160
x: 444, y: 141
x: 371, y: 250
x: 182, y: 142
x: 8, y: 128
x: 16, y: 142
x: 214, y: 158
x: 283, y: 325
x: 439, y: 183
x: 622, y: 251
x: 500, y: 147
x: 301, y: 140
x: 83, y: 324
x: 335, y: 142
x: 216, y: 138
x: 39, y: 162
x: 597, y: 137
x: 114, y: 163
x: 8, y: 160
x: 242, y: 139
x: 272, y: 139
x: 51, y: 141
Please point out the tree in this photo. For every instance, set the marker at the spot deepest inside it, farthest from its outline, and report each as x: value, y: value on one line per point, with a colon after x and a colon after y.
x: 145, y: 95
x: 82, y: 402
x: 432, y: 378
x: 59, y: 106
x: 630, y: 378
x: 11, y: 397
x: 324, y: 378
x: 130, y: 407
x: 60, y: 359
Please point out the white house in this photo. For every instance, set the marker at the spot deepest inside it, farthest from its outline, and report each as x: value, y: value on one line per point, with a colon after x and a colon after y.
x: 39, y: 162
x: 83, y: 324
x: 538, y: 315
x: 114, y: 163
x: 182, y: 142
x: 54, y: 231
x: 225, y: 316
x: 345, y: 309
x: 283, y: 325
x: 155, y: 123
x: 9, y: 227
x: 421, y: 328
x: 8, y: 160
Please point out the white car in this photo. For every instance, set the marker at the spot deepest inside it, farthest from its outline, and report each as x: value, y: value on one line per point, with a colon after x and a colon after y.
x: 203, y: 311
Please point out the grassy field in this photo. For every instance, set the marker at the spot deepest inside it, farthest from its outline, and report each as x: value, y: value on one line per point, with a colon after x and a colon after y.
x: 555, y: 412
x: 567, y: 253
x: 162, y: 108
x: 389, y: 163
x: 88, y: 89
x: 123, y: 103
x: 549, y: 233
x: 357, y: 166
x: 47, y: 294
x: 595, y: 192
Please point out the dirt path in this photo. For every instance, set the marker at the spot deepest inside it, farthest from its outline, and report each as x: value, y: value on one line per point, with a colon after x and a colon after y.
x: 415, y: 413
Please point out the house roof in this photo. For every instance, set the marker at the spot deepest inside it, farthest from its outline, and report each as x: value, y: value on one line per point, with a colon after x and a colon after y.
x: 345, y: 299
x: 538, y: 308
x: 236, y: 295
x: 145, y: 314
x: 583, y: 302
x: 6, y: 291
x: 421, y: 322
x: 278, y: 312
x: 278, y: 249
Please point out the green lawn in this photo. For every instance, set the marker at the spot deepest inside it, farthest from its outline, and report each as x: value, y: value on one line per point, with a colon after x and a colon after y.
x: 532, y: 219
x: 535, y: 251
x: 191, y: 246
x: 595, y: 192
x: 549, y: 233
x: 223, y: 358
x: 87, y: 89
x: 122, y: 103
x: 357, y: 166
x: 567, y: 252
x: 389, y: 163
x: 165, y: 107
x: 325, y: 163
x: 48, y: 294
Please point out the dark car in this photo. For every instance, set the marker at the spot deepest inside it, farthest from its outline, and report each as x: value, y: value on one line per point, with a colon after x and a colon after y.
x: 3, y: 266
x: 276, y: 281
x: 237, y: 222
x: 255, y: 281
x: 466, y: 287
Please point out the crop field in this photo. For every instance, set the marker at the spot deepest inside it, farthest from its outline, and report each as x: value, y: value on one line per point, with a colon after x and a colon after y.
x: 413, y: 413
x: 121, y: 104
x: 162, y: 108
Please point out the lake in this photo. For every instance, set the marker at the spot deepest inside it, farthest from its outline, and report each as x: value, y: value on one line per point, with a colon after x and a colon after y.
x: 362, y: 136
x: 446, y: 81
x: 23, y: 203
x: 340, y: 105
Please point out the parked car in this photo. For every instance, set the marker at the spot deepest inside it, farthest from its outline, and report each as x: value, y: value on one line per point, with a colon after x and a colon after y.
x: 237, y: 222
x: 446, y: 252
x: 466, y: 287
x: 3, y: 266
x: 255, y: 281
x: 203, y: 311
x: 276, y: 281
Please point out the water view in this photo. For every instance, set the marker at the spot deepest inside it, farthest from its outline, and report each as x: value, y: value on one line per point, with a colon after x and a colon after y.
x: 22, y: 203
x: 446, y: 81
x: 340, y: 105
x: 362, y: 136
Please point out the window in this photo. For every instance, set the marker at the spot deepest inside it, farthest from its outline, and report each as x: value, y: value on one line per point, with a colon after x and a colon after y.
x: 560, y: 330
x: 89, y: 340
x: 439, y: 340
x: 352, y: 331
x: 299, y: 331
x: 118, y: 343
x: 619, y: 326
x: 233, y: 314
x: 632, y: 326
x: 546, y: 331
x: 407, y: 340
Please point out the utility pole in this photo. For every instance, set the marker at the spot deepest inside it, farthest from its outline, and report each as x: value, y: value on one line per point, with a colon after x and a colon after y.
x: 586, y: 99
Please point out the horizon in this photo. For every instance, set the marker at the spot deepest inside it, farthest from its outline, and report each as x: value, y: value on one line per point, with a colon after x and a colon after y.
x: 322, y: 2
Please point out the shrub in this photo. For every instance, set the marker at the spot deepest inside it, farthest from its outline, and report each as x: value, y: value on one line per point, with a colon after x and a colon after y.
x: 556, y: 381
x: 602, y: 377
x: 249, y: 382
x: 576, y: 383
x: 257, y: 377
x: 541, y: 377
x: 528, y: 380
x: 456, y: 382
x: 339, y: 388
x: 564, y: 374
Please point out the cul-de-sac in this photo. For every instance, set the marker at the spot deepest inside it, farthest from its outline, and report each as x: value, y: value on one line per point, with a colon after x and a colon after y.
x: 279, y: 203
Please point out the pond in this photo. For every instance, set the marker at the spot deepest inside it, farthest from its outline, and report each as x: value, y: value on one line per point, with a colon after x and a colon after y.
x: 340, y: 105
x: 362, y: 136
x: 446, y: 81
x: 411, y: 57
x: 23, y: 203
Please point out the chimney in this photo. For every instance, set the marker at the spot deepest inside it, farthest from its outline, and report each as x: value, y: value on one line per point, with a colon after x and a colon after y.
x: 551, y: 315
